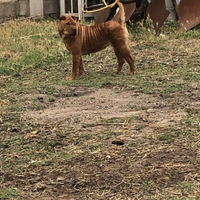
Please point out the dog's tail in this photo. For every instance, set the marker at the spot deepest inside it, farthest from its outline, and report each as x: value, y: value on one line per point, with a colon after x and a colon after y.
x: 120, y: 16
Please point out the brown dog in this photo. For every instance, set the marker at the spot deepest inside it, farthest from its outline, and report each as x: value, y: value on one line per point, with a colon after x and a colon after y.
x: 81, y: 40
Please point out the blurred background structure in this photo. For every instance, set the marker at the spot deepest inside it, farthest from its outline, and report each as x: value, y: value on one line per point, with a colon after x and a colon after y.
x: 187, y: 12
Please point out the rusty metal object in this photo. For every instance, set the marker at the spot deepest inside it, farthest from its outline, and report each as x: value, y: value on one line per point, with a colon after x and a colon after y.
x: 102, y: 16
x: 109, y: 13
x: 158, y: 13
x: 140, y: 12
x: 188, y: 13
x: 129, y: 10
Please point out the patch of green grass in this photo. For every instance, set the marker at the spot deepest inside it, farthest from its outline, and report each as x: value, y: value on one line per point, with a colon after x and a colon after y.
x: 192, y: 122
x: 27, y: 45
x: 170, y: 28
x: 166, y: 138
x: 81, y: 138
x: 188, y: 128
x: 187, y: 188
x: 142, y: 30
x: 192, y: 33
x: 40, y: 58
x: 9, y: 193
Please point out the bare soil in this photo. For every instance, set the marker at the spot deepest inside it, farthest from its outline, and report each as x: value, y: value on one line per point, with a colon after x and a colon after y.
x: 93, y: 105
x: 142, y: 168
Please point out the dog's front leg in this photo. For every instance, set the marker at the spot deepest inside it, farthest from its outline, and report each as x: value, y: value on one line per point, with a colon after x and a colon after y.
x: 75, y: 68
x: 81, y: 69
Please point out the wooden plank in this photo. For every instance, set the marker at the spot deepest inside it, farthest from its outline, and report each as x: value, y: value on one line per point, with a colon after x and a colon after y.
x: 36, y: 8
x: 62, y: 7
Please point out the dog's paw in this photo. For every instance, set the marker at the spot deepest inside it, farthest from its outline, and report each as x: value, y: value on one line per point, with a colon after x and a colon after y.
x: 131, y: 72
x: 116, y: 72
x: 70, y: 78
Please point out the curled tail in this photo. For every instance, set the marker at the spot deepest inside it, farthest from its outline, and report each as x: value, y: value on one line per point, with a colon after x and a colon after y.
x: 120, y: 16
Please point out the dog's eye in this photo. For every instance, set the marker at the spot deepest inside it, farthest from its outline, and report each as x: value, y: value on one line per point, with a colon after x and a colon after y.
x: 67, y: 23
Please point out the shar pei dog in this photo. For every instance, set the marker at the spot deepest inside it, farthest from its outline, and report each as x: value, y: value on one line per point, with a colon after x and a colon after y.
x: 81, y: 40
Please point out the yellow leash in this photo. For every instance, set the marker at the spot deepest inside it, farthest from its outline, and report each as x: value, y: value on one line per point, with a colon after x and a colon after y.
x: 106, y: 6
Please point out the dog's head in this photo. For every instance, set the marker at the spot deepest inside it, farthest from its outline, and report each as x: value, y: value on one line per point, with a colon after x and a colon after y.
x: 67, y: 26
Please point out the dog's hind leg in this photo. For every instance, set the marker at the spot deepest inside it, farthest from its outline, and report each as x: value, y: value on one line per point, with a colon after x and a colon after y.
x: 124, y: 54
x: 130, y: 60
x: 121, y: 61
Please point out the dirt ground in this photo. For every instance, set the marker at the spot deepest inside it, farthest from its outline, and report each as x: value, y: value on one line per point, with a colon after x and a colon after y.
x: 136, y: 170
x: 91, y: 106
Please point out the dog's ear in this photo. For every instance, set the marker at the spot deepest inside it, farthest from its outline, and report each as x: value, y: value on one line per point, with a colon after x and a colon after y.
x: 62, y: 18
x: 73, y: 17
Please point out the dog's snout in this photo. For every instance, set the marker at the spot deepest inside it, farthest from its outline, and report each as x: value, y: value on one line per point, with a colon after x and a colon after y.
x: 74, y: 30
x: 69, y: 31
